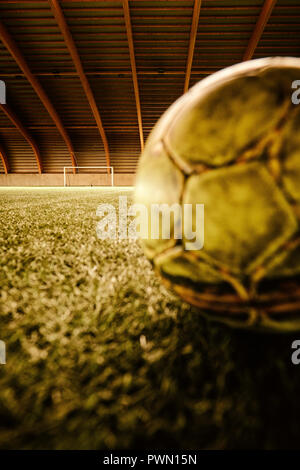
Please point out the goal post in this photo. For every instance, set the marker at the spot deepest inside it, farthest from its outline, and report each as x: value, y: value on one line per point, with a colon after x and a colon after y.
x: 111, y: 174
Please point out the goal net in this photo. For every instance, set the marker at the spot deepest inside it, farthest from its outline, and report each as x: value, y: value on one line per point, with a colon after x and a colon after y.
x: 89, y: 176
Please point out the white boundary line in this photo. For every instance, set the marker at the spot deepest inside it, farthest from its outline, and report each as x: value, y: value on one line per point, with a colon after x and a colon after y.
x: 94, y: 167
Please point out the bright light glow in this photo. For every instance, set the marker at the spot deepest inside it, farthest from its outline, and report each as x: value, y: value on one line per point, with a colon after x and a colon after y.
x: 68, y: 188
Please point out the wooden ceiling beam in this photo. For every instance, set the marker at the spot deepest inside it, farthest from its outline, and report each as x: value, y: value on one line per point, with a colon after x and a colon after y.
x: 133, y: 69
x: 12, y: 47
x: 18, y: 124
x: 4, y: 160
x: 259, y: 28
x: 63, y: 26
x: 193, y: 35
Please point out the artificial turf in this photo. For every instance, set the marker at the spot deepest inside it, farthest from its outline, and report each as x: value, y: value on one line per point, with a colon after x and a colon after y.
x: 100, y: 355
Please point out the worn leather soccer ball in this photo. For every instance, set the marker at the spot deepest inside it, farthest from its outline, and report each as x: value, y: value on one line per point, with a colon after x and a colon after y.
x: 232, y: 143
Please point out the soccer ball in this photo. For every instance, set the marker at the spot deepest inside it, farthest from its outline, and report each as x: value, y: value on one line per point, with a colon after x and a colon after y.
x: 232, y: 144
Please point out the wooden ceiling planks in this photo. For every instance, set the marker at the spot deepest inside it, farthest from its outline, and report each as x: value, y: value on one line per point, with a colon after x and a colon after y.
x: 169, y: 56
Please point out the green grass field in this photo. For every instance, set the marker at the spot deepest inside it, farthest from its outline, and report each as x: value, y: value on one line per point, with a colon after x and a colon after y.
x: 100, y: 355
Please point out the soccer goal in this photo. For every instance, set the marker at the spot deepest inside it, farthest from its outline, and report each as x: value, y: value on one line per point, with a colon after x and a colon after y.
x: 88, y: 179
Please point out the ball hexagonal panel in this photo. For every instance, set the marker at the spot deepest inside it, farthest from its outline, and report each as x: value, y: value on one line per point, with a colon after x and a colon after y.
x: 246, y: 216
